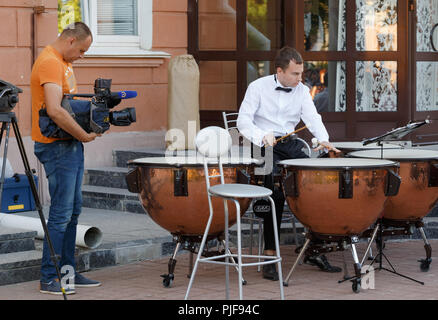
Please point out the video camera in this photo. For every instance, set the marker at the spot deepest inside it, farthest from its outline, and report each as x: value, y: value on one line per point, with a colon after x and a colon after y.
x: 8, y: 96
x: 92, y: 115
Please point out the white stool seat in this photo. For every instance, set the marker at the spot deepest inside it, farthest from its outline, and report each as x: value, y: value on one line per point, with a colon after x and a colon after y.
x: 234, y: 190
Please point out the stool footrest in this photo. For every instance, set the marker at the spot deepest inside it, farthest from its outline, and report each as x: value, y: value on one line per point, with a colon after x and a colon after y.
x: 271, y: 259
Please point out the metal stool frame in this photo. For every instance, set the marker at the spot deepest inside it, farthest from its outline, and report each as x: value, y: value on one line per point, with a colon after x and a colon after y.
x: 211, y: 193
x: 230, y: 122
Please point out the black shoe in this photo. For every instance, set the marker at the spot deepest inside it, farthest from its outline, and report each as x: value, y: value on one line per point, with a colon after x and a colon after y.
x: 322, y: 263
x: 270, y: 272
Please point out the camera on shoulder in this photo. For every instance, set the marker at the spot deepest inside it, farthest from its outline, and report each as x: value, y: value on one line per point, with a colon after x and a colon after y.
x: 92, y: 114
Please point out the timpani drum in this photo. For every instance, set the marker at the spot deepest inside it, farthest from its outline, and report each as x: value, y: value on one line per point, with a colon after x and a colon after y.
x: 417, y: 196
x: 172, y: 191
x: 418, y: 192
x: 337, y: 196
x: 337, y: 199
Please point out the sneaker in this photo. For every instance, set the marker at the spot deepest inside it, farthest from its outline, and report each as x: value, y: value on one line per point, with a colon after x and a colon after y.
x: 81, y: 281
x: 270, y: 272
x: 53, y: 287
x: 322, y: 263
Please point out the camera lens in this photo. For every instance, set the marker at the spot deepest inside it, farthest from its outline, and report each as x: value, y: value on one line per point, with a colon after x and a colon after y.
x: 123, y: 117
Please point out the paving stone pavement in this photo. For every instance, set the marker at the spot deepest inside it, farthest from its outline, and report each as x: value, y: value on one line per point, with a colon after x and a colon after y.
x: 142, y: 281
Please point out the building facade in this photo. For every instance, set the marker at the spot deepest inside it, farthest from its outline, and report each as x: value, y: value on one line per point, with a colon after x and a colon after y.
x: 377, y: 59
x: 134, y: 60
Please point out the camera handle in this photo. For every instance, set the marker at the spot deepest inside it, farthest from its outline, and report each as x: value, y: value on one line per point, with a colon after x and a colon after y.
x: 7, y: 119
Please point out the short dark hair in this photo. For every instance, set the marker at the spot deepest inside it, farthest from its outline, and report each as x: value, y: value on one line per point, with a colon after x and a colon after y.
x: 285, y: 55
x: 77, y: 29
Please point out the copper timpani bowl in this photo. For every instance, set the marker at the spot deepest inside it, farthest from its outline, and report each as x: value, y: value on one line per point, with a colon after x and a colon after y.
x: 336, y: 196
x: 173, y: 192
x: 418, y: 192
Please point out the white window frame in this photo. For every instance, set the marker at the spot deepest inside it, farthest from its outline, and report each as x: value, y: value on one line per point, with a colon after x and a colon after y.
x: 122, y: 45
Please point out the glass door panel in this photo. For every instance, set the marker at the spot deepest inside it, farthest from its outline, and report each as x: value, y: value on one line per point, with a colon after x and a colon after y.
x: 427, y: 19
x: 263, y: 25
x: 427, y: 43
x: 376, y: 86
x: 376, y: 25
x: 327, y: 83
x: 217, y: 24
x: 324, y: 25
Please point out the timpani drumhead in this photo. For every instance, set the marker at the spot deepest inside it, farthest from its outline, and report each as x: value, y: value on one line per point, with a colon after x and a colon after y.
x: 181, y: 161
x: 357, y: 146
x: 333, y: 163
x: 397, y: 154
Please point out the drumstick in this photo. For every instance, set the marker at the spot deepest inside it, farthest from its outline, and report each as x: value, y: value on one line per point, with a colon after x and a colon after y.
x: 284, y: 137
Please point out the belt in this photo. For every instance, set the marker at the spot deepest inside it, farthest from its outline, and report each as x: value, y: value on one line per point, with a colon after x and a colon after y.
x: 287, y: 139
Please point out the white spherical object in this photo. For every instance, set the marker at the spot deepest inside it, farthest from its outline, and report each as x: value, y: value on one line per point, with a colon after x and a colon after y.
x: 213, y: 142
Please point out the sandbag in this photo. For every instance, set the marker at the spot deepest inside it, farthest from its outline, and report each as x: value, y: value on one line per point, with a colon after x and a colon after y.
x: 183, y: 101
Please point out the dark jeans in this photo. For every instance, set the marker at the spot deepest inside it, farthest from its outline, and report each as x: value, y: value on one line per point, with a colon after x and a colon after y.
x: 64, y: 165
x: 290, y: 149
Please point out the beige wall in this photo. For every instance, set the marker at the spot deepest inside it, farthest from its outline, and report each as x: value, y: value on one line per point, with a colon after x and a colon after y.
x: 148, y: 76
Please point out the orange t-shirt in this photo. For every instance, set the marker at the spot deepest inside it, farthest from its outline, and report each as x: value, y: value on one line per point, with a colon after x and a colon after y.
x: 50, y: 67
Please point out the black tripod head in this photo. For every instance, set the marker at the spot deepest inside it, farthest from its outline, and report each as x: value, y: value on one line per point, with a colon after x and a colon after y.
x: 8, y: 96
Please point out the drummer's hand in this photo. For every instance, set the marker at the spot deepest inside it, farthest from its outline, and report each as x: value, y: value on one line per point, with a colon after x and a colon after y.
x: 269, y: 140
x: 327, y: 145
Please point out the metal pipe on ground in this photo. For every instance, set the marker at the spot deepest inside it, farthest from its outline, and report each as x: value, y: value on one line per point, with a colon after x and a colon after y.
x: 86, y: 236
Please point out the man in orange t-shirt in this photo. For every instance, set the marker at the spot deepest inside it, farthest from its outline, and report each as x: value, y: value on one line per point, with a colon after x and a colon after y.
x: 63, y: 159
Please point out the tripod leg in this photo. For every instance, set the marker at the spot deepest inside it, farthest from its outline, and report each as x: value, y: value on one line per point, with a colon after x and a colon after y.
x: 5, y: 153
x: 286, y: 281
x: 168, y: 278
x: 425, y: 263
x: 33, y: 188
x: 233, y: 261
x: 346, y: 276
x: 370, y: 242
x: 357, y: 270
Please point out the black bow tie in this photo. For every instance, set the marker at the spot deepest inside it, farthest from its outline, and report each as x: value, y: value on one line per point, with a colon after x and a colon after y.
x: 284, y: 89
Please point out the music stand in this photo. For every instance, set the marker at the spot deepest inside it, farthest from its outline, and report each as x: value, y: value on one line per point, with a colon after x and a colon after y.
x: 393, y: 135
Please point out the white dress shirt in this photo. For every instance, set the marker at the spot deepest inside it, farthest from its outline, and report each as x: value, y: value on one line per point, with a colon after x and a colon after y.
x: 266, y: 110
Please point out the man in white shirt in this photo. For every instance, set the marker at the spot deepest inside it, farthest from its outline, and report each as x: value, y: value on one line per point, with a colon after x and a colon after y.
x: 272, y: 107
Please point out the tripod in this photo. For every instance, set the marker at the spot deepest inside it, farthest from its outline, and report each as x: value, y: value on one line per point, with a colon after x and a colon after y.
x: 380, y: 255
x: 8, y: 118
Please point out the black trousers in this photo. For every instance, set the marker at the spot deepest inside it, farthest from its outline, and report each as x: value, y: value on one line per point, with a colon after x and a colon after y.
x: 286, y: 149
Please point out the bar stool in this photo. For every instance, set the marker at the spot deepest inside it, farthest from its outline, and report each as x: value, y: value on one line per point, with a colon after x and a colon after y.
x: 230, y: 123
x: 214, y: 143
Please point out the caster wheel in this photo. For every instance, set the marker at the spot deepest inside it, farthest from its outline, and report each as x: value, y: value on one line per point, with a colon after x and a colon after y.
x: 425, y: 264
x: 167, y: 280
x: 356, y: 286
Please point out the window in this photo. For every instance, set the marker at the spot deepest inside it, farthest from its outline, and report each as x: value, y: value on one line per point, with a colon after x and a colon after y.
x: 120, y: 27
